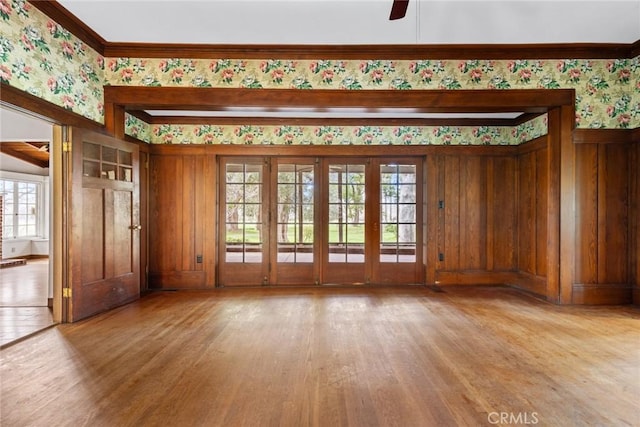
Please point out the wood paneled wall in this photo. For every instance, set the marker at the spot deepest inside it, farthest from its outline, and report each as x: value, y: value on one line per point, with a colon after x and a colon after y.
x: 532, y: 215
x: 476, y: 227
x: 602, y: 268
x: 493, y: 226
x: 634, y: 216
x: 182, y: 219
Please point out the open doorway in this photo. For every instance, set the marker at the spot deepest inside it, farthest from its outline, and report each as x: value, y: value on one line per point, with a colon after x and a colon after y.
x: 25, y: 174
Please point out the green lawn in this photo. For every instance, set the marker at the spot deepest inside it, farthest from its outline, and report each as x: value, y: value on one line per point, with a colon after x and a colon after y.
x: 355, y: 234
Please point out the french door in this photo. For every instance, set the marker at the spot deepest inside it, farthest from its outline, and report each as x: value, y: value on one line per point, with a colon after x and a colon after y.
x: 313, y: 221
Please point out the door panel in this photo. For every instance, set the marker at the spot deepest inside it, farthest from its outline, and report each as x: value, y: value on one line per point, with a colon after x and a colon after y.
x: 104, y: 252
x: 93, y: 225
x: 122, y: 220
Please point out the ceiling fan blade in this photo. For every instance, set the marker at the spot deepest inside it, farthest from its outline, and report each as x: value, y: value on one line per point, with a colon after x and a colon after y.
x: 399, y: 9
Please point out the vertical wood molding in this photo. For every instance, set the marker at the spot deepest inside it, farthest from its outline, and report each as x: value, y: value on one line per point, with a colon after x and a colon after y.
x: 210, y: 202
x: 553, y: 194
x: 57, y: 221
x: 431, y: 217
x: 567, y: 202
x: 114, y: 120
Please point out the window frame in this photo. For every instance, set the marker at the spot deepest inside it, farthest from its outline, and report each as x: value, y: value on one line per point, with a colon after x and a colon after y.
x: 40, y: 187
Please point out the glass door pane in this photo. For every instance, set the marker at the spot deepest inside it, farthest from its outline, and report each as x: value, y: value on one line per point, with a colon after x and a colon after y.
x: 243, y: 216
x: 397, y: 213
x: 294, y: 224
x: 344, y: 222
x: 295, y: 210
x: 346, y: 213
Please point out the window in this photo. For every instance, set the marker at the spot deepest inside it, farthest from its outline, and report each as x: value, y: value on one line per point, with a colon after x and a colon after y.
x: 21, y: 208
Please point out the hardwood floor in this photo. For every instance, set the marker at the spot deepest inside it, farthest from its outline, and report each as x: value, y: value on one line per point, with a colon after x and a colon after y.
x: 406, y: 356
x: 23, y: 300
x: 25, y: 285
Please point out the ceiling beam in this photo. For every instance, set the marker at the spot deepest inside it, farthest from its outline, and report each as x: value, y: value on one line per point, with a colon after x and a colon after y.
x: 419, y: 101
x: 27, y: 152
x: 318, y: 121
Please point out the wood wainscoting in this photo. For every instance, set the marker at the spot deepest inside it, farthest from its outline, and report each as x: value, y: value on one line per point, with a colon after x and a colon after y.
x: 634, y: 215
x: 488, y: 213
x: 182, y: 218
x: 605, y: 165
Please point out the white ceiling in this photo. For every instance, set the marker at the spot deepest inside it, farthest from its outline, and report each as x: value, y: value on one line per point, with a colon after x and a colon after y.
x: 17, y: 126
x: 360, y: 21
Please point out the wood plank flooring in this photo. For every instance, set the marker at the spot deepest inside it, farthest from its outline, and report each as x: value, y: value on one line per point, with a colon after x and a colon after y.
x: 23, y: 300
x: 405, y: 356
x: 25, y: 285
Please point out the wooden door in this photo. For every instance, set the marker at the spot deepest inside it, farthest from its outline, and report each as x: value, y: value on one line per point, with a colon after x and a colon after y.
x: 104, y: 249
x: 294, y: 212
x: 372, y: 210
x: 345, y: 244
x: 244, y: 226
x: 396, y: 196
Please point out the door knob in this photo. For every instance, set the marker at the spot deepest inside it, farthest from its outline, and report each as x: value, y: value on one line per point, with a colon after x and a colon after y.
x: 135, y: 227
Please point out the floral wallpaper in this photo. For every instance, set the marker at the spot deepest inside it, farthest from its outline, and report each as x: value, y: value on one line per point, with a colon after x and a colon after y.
x: 137, y: 128
x: 338, y: 135
x: 607, y: 91
x: 40, y: 57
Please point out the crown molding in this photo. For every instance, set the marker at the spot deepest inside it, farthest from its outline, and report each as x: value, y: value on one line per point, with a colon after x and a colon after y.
x: 634, y: 50
x: 62, y: 16
x: 383, y: 52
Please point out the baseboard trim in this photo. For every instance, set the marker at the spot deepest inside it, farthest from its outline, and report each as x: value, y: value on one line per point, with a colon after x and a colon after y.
x: 636, y: 295
x: 602, y: 294
x: 531, y: 283
x: 475, y: 277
